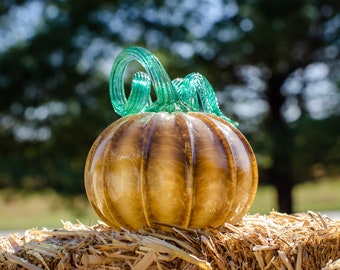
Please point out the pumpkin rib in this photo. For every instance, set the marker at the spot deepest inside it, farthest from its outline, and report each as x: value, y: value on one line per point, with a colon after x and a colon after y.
x: 254, y: 172
x: 95, y: 157
x: 145, y: 155
x: 114, y: 140
x: 167, y: 185
x: 90, y: 183
x: 229, y: 159
x: 184, y: 125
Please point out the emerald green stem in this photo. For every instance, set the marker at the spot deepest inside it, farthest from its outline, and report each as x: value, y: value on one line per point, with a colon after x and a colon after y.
x: 171, y: 96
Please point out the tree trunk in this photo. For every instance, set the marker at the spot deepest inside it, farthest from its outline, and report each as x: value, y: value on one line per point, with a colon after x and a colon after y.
x: 284, y: 196
x: 281, y: 173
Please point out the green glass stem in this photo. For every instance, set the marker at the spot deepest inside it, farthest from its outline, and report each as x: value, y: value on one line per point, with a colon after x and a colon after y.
x: 167, y: 99
x: 195, y: 86
x: 171, y: 96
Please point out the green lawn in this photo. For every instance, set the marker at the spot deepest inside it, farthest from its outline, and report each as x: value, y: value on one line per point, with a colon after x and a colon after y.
x: 316, y: 196
x: 20, y: 210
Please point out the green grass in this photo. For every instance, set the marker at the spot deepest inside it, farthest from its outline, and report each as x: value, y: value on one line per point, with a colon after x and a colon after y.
x: 23, y: 210
x: 317, y: 196
x: 265, y: 200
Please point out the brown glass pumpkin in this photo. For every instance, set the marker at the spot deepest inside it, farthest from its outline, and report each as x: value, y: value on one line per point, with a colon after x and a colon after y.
x: 185, y: 169
x: 166, y: 162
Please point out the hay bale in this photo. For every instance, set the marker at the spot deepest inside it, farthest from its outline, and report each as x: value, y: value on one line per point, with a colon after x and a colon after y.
x: 274, y: 241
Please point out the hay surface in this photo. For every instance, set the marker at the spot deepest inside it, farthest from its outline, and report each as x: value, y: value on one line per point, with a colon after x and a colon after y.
x: 274, y: 241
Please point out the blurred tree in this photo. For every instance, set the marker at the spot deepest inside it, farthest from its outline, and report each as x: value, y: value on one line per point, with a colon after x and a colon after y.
x: 275, y: 64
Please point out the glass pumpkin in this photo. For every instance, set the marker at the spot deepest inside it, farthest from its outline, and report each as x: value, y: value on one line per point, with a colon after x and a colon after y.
x: 168, y: 162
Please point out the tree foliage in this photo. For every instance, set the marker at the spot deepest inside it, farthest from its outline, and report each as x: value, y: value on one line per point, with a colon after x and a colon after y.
x: 274, y: 64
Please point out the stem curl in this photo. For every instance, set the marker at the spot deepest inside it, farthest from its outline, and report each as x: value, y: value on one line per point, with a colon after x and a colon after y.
x: 171, y: 96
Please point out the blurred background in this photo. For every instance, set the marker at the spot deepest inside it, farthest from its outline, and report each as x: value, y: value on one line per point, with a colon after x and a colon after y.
x: 274, y: 65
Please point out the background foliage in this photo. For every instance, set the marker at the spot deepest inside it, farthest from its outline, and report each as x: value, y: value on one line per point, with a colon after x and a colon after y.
x: 274, y: 64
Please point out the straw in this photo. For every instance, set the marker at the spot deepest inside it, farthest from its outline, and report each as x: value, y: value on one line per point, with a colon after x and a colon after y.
x: 275, y: 241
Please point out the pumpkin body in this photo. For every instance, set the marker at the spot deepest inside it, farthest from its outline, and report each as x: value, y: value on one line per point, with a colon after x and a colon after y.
x: 190, y: 170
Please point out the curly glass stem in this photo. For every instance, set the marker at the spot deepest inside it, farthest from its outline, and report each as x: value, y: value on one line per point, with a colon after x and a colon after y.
x: 196, y: 86
x: 171, y: 96
x: 139, y: 101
